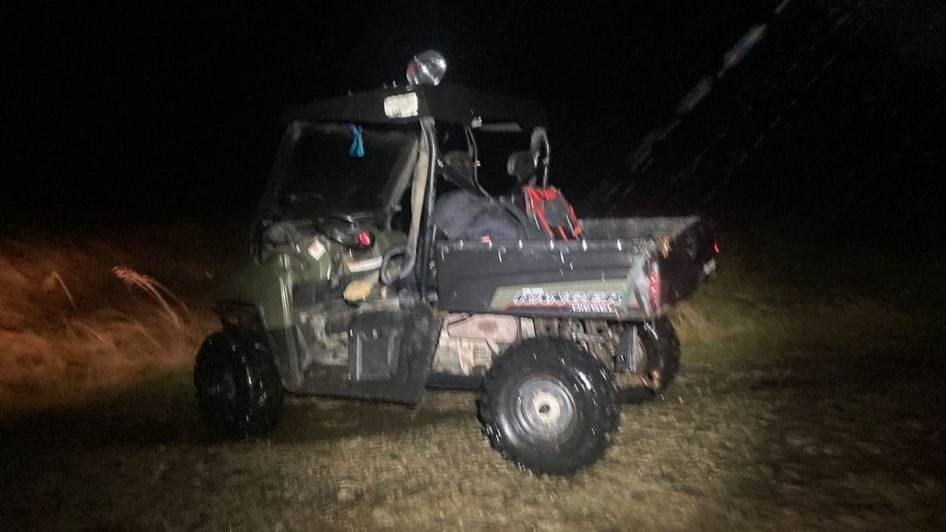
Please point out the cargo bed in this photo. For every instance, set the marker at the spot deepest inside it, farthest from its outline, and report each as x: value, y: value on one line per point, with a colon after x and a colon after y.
x: 626, y: 269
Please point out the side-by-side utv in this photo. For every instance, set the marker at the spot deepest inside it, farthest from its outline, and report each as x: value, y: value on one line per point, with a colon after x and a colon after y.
x: 355, y: 289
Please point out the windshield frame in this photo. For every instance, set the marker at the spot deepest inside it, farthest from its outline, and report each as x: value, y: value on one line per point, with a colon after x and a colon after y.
x: 394, y: 185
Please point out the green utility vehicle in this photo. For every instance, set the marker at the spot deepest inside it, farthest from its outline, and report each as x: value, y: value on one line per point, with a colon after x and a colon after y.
x: 362, y: 285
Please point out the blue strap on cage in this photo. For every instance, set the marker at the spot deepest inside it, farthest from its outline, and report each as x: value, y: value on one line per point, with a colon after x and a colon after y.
x: 357, y: 148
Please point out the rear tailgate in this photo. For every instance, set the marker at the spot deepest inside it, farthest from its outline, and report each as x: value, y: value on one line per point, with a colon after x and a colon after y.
x: 684, y: 260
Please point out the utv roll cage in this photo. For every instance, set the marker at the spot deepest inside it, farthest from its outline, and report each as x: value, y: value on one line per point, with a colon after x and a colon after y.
x: 419, y: 104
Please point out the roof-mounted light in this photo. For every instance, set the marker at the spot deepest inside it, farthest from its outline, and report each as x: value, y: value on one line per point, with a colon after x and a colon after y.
x: 426, y: 68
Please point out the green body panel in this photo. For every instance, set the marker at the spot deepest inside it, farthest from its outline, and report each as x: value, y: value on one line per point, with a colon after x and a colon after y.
x: 267, y: 284
x: 260, y: 283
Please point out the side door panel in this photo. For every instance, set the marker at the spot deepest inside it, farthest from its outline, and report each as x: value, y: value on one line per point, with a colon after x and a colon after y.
x: 389, y: 357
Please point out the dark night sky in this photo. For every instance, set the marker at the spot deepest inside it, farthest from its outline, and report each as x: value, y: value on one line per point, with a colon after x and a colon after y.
x: 171, y: 113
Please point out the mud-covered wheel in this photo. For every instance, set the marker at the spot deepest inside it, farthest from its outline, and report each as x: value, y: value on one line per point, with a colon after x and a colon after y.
x: 549, y: 406
x: 238, y: 385
x: 662, y: 347
x: 653, y: 351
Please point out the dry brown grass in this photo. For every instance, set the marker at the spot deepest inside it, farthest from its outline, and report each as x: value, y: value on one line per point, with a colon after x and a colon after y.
x: 692, y: 325
x: 75, y: 319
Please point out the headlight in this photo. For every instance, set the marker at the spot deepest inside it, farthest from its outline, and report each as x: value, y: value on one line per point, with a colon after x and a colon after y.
x: 426, y: 68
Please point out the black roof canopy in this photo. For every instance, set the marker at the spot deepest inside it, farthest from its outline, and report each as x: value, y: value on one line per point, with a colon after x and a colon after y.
x: 445, y: 103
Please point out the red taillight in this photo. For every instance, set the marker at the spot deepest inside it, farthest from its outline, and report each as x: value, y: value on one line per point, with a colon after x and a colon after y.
x: 654, y: 278
x: 716, y: 247
x: 365, y: 238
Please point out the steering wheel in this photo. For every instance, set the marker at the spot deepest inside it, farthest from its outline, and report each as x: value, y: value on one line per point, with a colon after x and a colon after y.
x: 283, y: 233
x: 392, y: 265
x: 342, y: 228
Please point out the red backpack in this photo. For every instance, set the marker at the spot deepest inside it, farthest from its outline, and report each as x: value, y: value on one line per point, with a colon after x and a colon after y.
x: 551, y: 212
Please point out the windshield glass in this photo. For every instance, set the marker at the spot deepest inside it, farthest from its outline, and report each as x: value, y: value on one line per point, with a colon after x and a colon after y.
x: 344, y: 169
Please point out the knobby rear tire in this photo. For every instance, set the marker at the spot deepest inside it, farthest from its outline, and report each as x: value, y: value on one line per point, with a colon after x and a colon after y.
x: 549, y: 406
x: 661, y: 348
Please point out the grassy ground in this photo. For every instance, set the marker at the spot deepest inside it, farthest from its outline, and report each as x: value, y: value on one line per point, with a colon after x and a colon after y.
x: 810, y: 399
x: 83, y: 314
